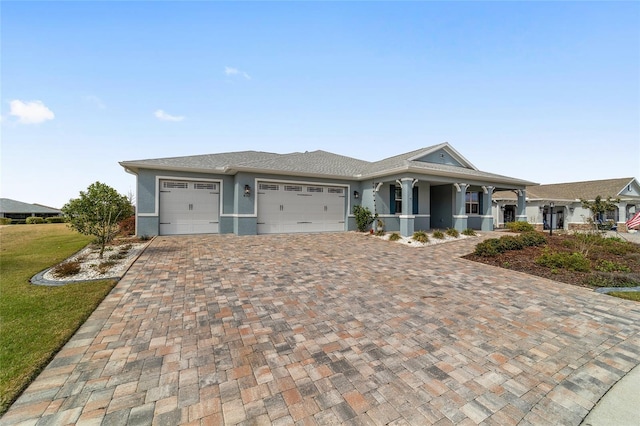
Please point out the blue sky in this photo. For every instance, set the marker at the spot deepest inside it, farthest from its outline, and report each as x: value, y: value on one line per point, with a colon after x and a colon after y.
x: 543, y: 91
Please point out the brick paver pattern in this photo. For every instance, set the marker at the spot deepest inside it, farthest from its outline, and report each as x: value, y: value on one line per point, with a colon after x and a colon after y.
x: 333, y: 329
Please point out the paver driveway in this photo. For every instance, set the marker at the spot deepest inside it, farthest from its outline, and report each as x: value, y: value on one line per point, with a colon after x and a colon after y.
x: 333, y: 329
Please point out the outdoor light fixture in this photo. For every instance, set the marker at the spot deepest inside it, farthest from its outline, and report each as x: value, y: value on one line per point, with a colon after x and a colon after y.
x: 551, y: 206
x: 356, y: 194
x: 247, y: 191
x: 571, y: 209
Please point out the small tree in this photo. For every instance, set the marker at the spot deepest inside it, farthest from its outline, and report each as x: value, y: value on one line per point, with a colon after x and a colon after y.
x: 97, y: 212
x: 599, y: 207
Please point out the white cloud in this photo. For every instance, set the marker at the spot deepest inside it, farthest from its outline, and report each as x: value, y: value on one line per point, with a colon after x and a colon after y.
x: 235, y: 71
x: 30, y: 112
x: 161, y: 115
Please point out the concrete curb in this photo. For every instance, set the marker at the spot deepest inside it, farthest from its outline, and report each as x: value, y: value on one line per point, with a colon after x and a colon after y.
x: 620, y: 406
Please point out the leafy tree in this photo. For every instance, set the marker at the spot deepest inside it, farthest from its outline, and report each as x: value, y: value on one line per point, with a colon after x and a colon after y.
x: 97, y: 212
x: 599, y: 207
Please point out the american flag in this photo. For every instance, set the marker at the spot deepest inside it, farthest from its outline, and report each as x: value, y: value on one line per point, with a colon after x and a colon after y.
x: 634, y: 221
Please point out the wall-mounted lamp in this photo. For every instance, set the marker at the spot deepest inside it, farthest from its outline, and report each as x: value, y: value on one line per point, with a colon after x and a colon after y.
x: 247, y: 191
x: 541, y: 208
x: 356, y: 194
x: 571, y: 209
x: 502, y: 207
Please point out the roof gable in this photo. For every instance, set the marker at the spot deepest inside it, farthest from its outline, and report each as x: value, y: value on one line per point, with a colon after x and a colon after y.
x: 443, y: 154
x: 587, y: 190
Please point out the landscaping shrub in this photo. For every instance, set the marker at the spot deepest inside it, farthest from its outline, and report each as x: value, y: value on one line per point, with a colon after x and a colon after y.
x: 103, y: 267
x: 609, y: 266
x: 573, y: 261
x: 55, y: 219
x: 469, y: 232
x: 394, y: 237
x: 438, y: 234
x: 615, y: 245
x: 613, y: 279
x: 420, y: 236
x: 509, y: 242
x: 34, y: 220
x: 5, y: 221
x: 452, y: 232
x: 363, y: 216
x: 488, y: 248
x: 532, y: 239
x: 66, y: 269
x: 127, y: 226
x: 519, y: 226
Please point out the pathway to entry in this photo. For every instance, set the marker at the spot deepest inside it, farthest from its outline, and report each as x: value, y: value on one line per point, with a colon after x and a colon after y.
x: 333, y: 329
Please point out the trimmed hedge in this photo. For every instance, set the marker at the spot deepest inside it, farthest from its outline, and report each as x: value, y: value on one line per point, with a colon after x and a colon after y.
x: 519, y: 226
x: 34, y: 220
x: 56, y: 219
x: 5, y: 221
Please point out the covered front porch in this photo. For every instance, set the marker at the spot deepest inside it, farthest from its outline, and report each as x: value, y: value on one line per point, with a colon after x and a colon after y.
x: 406, y: 204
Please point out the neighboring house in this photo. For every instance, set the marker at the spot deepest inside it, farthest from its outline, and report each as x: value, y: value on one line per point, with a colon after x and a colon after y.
x: 18, y: 210
x: 568, y: 212
x: 254, y: 192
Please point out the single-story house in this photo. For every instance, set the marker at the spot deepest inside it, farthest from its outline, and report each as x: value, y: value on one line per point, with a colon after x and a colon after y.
x: 18, y: 210
x: 568, y: 212
x: 253, y: 192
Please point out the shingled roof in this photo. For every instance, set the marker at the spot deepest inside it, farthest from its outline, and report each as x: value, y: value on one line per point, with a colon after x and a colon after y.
x: 321, y: 163
x: 571, y: 191
x: 8, y: 205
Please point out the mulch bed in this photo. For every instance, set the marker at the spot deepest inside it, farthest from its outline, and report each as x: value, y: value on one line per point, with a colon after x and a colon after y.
x: 524, y: 261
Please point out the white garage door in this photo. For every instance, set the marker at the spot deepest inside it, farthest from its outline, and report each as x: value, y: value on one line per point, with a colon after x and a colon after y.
x: 188, y: 207
x: 286, y: 208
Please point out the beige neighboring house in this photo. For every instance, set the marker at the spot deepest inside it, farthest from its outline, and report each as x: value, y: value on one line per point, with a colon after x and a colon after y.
x: 568, y: 212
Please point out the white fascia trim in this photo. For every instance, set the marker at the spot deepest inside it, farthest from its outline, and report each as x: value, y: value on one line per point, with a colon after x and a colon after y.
x: 157, y: 191
x: 406, y: 216
x: 460, y: 216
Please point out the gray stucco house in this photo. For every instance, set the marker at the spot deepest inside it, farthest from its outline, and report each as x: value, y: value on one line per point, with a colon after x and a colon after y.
x: 19, y: 210
x: 253, y: 192
x: 568, y: 213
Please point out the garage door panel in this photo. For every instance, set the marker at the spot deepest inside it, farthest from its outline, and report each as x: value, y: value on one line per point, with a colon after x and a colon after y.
x: 289, y: 208
x: 189, y: 207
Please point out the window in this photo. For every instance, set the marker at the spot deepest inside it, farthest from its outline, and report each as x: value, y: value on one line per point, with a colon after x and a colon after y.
x: 472, y: 205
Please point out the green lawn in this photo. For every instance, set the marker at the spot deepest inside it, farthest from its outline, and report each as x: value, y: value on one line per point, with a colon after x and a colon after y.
x: 36, y: 321
x: 629, y: 295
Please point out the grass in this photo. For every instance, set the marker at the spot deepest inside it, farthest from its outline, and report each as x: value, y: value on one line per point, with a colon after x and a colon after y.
x: 629, y: 295
x: 36, y: 321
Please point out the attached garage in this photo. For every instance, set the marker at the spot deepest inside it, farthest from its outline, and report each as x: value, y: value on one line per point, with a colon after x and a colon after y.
x: 291, y: 207
x: 189, y: 207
